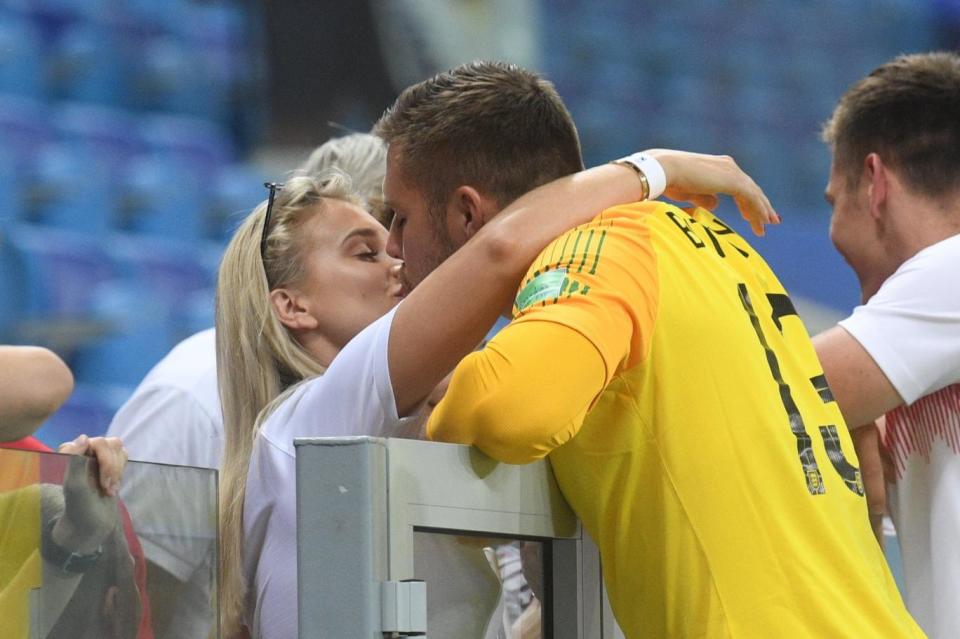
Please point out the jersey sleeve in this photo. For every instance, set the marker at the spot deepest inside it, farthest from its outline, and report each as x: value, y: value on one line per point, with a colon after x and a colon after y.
x: 599, y: 280
x: 911, y: 327
x: 510, y: 403
x: 584, y: 312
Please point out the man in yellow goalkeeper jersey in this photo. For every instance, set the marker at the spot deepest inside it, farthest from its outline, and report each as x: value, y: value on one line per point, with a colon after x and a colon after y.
x: 658, y: 362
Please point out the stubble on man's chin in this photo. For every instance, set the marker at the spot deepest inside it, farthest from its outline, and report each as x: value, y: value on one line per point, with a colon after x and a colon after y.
x: 441, y: 247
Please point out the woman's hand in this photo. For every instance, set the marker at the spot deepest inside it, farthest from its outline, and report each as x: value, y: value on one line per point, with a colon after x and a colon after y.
x: 698, y: 178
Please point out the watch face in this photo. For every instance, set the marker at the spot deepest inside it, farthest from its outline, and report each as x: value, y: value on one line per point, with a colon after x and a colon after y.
x: 62, y: 558
x: 81, y: 563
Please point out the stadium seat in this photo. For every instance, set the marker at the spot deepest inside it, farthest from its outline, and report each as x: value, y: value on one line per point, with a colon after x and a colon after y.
x: 89, y: 64
x: 237, y: 190
x: 57, y: 277
x: 199, y: 145
x: 88, y: 411
x: 11, y: 192
x: 101, y: 132
x: 139, y: 333
x: 163, y: 197
x: 166, y: 271
x: 12, y: 287
x: 178, y: 78
x: 21, y: 57
x: 24, y: 127
x: 61, y: 270
x: 70, y: 189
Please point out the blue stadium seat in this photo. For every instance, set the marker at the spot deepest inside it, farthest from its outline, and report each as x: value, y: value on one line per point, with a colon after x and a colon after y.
x: 174, y: 76
x: 159, y: 17
x: 166, y: 271
x: 197, y: 314
x: 164, y: 197
x: 89, y: 63
x: 105, y: 133
x: 12, y: 286
x: 21, y: 57
x: 24, y: 127
x: 61, y: 271
x: 88, y: 411
x: 237, y: 190
x: 199, y: 145
x: 139, y: 334
x: 71, y: 190
x: 11, y: 189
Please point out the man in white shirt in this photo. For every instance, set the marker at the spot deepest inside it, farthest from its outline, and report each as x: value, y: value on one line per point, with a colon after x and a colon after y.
x: 895, y: 191
x: 174, y: 418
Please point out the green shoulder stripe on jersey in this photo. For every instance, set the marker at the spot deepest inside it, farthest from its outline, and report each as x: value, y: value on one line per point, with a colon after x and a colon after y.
x: 544, y: 286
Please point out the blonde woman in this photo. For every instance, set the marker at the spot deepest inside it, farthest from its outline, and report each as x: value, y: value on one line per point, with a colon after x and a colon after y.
x: 306, y: 291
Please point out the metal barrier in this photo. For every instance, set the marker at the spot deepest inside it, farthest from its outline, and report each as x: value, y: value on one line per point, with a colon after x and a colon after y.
x: 379, y: 517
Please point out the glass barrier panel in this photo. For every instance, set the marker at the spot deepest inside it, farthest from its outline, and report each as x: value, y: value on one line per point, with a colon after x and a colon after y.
x: 75, y: 564
x: 481, y: 587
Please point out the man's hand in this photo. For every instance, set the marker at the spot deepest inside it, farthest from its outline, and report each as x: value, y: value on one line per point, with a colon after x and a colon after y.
x: 698, y: 178
x: 89, y: 492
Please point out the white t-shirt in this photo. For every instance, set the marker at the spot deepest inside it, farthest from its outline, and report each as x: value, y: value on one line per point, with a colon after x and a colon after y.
x: 174, y: 417
x: 354, y: 397
x: 911, y: 329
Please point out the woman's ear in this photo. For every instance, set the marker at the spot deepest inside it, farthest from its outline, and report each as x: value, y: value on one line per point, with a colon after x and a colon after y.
x: 291, y: 310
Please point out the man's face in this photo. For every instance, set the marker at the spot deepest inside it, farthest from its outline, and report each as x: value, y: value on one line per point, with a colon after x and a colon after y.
x: 851, y: 227
x: 415, y: 236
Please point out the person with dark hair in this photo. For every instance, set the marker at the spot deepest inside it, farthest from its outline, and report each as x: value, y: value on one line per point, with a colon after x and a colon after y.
x: 895, y: 191
x: 656, y: 359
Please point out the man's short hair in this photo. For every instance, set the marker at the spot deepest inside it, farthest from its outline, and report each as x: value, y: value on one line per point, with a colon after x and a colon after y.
x: 492, y: 125
x: 908, y: 111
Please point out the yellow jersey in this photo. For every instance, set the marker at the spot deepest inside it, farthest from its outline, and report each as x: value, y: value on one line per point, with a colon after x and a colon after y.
x: 660, y: 363
x: 21, y: 569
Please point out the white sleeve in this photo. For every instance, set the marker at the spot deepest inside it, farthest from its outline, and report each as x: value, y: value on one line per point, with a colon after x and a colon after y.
x: 911, y: 327
x: 167, y: 425
x: 353, y: 397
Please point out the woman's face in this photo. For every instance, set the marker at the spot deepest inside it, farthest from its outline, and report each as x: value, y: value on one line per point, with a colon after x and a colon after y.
x: 348, y: 280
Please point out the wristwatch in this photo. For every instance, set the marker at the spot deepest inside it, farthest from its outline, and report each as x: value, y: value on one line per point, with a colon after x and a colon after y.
x: 62, y: 558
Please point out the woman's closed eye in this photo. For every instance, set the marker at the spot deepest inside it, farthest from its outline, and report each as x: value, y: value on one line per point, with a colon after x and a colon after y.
x: 368, y: 255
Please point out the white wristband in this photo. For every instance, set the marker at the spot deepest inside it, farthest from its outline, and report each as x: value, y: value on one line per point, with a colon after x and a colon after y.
x: 656, y: 177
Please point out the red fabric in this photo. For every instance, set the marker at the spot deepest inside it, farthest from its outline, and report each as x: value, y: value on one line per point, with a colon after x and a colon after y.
x: 27, y: 443
x: 145, y: 630
x: 139, y: 574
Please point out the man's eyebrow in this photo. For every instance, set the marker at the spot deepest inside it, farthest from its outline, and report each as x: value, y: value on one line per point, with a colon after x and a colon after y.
x: 362, y: 231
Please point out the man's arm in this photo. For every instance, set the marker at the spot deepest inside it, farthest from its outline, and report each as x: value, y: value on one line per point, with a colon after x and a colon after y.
x: 862, y: 390
x: 34, y: 382
x: 528, y: 391
x: 523, y: 395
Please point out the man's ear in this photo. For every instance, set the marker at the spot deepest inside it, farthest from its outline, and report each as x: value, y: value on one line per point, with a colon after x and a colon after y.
x: 291, y: 309
x: 877, y: 175
x: 468, y: 211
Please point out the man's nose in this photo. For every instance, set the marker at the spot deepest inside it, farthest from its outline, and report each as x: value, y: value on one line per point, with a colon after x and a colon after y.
x: 395, y: 241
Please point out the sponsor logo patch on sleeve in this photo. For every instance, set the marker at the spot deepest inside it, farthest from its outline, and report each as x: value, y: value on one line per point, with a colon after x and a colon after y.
x: 544, y: 286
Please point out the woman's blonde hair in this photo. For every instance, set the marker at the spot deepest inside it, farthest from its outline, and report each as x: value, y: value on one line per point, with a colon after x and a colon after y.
x: 362, y: 156
x: 257, y: 358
